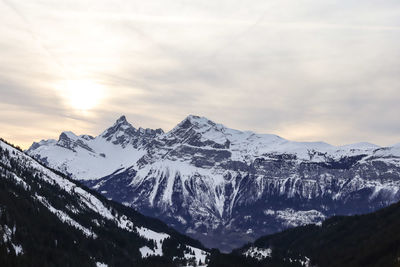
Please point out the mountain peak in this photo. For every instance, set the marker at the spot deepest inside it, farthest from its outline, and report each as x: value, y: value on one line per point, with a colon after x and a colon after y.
x: 67, y: 135
x: 123, y: 133
x: 121, y: 121
x: 198, y: 132
x: 198, y: 121
x: 68, y: 140
x: 120, y: 126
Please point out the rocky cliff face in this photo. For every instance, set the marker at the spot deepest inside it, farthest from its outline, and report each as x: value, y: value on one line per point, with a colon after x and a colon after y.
x: 223, y: 186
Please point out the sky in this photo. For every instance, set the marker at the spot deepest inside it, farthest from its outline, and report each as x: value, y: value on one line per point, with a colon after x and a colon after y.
x: 306, y: 70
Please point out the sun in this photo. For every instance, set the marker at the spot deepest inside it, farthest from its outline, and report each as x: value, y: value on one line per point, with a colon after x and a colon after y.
x: 81, y: 95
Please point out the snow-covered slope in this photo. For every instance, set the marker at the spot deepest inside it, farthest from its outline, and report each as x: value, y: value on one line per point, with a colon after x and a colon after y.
x: 94, y: 217
x: 225, y: 186
x: 86, y: 157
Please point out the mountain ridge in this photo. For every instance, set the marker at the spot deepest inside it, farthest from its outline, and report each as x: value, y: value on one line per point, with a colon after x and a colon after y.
x: 227, y: 187
x: 200, y: 120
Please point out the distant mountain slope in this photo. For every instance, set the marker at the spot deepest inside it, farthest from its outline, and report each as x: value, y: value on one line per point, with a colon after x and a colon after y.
x: 226, y: 187
x: 48, y: 220
x: 362, y: 240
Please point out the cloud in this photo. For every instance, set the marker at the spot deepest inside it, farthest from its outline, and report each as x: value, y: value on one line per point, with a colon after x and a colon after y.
x: 306, y: 70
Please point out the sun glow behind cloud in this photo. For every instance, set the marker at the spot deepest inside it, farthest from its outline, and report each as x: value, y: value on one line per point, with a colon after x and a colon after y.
x: 81, y: 95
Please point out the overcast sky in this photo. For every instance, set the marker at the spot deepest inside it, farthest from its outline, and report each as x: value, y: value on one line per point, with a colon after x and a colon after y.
x: 306, y: 70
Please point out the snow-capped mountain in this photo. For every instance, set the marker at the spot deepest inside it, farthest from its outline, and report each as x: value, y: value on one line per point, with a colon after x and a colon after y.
x: 86, y: 157
x: 224, y: 186
x: 49, y: 220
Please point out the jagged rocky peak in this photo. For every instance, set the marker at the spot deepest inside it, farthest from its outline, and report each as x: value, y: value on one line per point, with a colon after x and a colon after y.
x: 201, y: 132
x: 200, y: 122
x: 71, y: 141
x: 120, y: 125
x: 67, y: 135
x: 197, y: 123
x: 67, y: 140
x: 198, y: 131
x: 123, y: 133
x: 122, y: 120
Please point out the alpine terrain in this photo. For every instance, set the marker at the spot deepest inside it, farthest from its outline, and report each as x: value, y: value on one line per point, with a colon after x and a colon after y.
x: 222, y: 186
x: 48, y: 220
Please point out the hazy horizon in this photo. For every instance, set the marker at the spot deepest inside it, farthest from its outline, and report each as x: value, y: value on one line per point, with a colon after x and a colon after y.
x: 306, y: 71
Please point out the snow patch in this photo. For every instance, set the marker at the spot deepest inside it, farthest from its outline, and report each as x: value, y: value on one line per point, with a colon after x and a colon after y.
x: 258, y: 253
x: 158, y: 238
x: 294, y: 218
x: 199, y: 255
x: 18, y: 249
x: 7, y: 236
